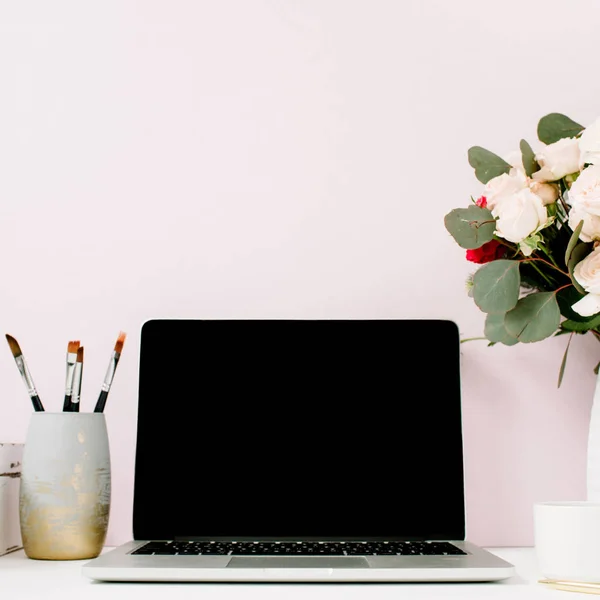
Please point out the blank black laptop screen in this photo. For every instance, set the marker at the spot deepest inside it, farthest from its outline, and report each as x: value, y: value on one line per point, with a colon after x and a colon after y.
x: 293, y: 429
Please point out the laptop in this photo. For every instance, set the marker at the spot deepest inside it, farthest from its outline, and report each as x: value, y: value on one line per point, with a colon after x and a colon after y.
x: 299, y: 451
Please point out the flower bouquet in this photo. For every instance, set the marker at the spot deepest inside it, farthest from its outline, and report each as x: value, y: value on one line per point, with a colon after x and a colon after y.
x: 535, y: 232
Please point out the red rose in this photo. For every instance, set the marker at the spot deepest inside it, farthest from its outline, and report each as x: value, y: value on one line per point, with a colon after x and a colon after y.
x: 482, y: 202
x: 490, y: 251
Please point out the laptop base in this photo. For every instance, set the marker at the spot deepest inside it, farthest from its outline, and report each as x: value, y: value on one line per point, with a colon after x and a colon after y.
x: 120, y: 565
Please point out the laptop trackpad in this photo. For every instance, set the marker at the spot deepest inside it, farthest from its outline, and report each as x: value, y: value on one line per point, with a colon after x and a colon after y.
x: 295, y: 562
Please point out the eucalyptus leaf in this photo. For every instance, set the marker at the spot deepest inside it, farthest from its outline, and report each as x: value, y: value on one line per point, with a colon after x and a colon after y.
x: 581, y: 326
x: 471, y: 227
x: 577, y: 255
x: 495, y: 330
x: 573, y: 242
x: 487, y: 165
x: 563, y: 364
x: 556, y: 126
x: 496, y: 286
x: 528, y: 157
x: 534, y: 318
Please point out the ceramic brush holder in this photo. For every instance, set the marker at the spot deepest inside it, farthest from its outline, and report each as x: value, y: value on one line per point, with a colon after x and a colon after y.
x: 64, y: 499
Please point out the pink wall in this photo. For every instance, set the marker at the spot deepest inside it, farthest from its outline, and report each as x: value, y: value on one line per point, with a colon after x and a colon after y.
x: 256, y: 158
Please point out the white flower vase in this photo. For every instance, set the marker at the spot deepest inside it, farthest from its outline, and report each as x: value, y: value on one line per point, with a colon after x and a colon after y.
x: 593, y: 451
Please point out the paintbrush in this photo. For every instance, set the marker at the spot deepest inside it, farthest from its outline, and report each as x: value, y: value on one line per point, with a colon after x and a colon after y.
x: 110, y: 373
x: 71, y: 360
x: 77, y: 377
x: 572, y: 586
x: 25, y: 374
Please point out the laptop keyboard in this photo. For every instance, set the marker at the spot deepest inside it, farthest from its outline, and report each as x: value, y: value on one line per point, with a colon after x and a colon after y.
x: 298, y: 548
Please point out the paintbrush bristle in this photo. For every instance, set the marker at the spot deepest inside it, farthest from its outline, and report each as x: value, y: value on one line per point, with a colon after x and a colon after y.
x: 14, y: 346
x: 80, y: 354
x: 120, y: 342
x: 73, y: 345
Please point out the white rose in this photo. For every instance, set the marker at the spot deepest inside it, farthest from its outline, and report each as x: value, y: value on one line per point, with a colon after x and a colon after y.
x: 557, y: 160
x: 585, y: 191
x: 591, y: 224
x: 548, y: 192
x: 519, y: 216
x: 589, y: 305
x: 587, y: 273
x: 504, y: 186
x: 589, y: 145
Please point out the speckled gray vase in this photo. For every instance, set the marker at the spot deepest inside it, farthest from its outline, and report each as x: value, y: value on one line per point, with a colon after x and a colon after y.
x: 64, y: 500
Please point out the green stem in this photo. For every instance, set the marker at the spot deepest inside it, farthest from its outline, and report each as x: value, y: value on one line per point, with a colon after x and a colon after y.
x: 552, y: 266
x: 532, y: 263
x: 564, y: 287
x: 562, y: 183
x: 545, y: 251
x: 472, y: 339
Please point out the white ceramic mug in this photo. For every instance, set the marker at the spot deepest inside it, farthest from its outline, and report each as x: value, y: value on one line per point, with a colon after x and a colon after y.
x: 567, y: 540
x: 65, y: 486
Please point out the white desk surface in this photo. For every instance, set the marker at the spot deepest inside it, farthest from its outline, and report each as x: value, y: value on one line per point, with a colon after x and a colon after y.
x: 22, y: 578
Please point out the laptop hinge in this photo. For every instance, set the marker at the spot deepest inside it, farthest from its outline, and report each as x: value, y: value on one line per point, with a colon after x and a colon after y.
x: 197, y: 538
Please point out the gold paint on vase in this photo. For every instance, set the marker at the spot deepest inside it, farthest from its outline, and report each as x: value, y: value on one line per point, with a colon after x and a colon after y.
x: 64, y: 532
